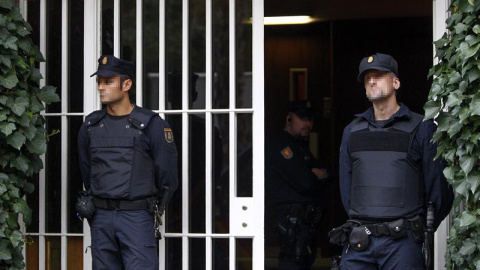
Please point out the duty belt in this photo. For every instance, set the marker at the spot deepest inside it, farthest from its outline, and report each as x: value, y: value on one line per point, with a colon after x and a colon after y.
x: 382, y: 229
x: 114, y: 204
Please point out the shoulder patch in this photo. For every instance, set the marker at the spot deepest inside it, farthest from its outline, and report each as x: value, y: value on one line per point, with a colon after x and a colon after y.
x: 168, y: 135
x: 287, y: 153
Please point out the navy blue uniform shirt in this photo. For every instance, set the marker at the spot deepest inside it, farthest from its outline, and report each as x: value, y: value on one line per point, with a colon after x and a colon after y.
x: 423, y: 151
x: 288, y: 168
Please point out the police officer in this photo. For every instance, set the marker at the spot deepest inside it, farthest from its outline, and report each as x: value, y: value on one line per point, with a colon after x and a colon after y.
x: 127, y: 159
x: 388, y: 176
x: 294, y: 178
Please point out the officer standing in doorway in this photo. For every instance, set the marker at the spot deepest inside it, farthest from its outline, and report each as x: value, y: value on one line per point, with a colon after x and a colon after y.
x: 294, y: 179
x: 389, y: 177
x: 128, y: 162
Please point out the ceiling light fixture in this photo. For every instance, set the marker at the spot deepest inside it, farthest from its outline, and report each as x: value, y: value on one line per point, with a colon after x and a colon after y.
x: 279, y: 20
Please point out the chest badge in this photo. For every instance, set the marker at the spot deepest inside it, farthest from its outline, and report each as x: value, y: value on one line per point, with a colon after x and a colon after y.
x: 168, y: 135
x: 287, y: 153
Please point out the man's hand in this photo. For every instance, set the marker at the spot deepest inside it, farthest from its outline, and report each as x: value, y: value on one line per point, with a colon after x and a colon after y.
x: 320, y: 173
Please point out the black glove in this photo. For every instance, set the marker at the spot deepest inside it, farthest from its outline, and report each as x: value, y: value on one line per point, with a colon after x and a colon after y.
x: 84, y: 206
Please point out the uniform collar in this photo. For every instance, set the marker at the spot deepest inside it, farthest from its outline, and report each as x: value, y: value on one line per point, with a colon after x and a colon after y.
x: 403, y: 112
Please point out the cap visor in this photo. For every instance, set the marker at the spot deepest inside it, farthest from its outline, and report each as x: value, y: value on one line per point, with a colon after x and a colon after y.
x: 362, y: 74
x: 105, y: 73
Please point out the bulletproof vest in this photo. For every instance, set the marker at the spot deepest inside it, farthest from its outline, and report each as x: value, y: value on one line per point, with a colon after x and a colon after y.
x: 120, y: 165
x: 386, y: 184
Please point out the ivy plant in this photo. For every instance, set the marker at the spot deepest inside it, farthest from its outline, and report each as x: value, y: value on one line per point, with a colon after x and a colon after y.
x: 454, y: 102
x: 22, y: 128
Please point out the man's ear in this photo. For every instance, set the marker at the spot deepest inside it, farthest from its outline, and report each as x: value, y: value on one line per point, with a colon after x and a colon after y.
x: 127, y: 84
x: 396, y: 83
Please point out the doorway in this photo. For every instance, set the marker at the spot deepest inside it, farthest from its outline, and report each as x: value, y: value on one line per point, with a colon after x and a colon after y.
x: 330, y: 49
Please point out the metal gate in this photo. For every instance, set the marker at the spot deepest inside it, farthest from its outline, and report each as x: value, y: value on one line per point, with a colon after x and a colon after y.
x: 199, y: 64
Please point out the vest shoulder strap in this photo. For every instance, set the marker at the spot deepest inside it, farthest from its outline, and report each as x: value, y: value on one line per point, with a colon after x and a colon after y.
x: 95, y: 116
x: 359, y: 124
x: 140, y: 117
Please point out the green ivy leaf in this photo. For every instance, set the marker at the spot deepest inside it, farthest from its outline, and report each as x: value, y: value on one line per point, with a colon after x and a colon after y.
x: 473, y: 181
x: 21, y: 163
x: 29, y: 187
x: 36, y: 75
x: 466, y: 163
x: 5, y: 253
x: 475, y: 104
x: 5, y: 60
x: 16, y: 140
x: 449, y: 172
x: 473, y: 74
x: 10, y: 43
x: 432, y: 108
x: 7, y: 128
x: 47, y: 94
x: 21, y: 207
x: 476, y: 29
x: 9, y: 82
x: 8, y: 4
x: 466, y: 219
x: 38, y: 144
x: 472, y: 39
x: 16, y: 238
x: 468, y: 248
x: 18, y: 107
x: 3, y: 100
x: 462, y: 188
x: 455, y: 127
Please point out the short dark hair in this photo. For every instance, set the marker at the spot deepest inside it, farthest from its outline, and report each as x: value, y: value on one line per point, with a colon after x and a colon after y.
x: 131, y: 92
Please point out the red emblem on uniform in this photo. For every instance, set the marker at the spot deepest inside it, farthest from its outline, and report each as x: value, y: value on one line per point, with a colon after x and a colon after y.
x: 287, y: 153
x: 168, y: 134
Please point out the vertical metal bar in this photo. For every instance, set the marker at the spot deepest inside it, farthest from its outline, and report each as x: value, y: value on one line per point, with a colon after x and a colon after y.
x: 41, y: 184
x: 185, y: 133
x: 161, y: 102
x: 208, y: 133
x: 139, y: 52
x: 64, y: 134
x: 232, y: 254
x: 162, y: 59
x: 91, y: 23
x: 116, y: 28
x: 258, y: 257
x: 232, y: 145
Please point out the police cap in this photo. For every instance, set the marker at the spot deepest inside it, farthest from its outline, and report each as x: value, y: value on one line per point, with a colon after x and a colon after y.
x: 378, y: 61
x: 109, y: 66
x: 302, y: 108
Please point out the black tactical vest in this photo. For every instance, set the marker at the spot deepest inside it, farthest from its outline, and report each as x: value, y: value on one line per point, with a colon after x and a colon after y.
x: 386, y: 184
x: 121, y: 166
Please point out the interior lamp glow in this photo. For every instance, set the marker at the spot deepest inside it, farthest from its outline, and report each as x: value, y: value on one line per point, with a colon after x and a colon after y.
x: 279, y: 20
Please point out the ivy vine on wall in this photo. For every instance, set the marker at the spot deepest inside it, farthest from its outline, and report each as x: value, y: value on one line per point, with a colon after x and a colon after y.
x: 454, y: 101
x: 22, y: 128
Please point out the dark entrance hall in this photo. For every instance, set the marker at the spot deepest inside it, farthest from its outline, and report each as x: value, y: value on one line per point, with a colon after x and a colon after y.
x: 330, y: 50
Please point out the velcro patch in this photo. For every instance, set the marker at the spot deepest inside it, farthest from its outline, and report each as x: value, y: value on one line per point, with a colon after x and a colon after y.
x: 287, y: 153
x: 168, y: 135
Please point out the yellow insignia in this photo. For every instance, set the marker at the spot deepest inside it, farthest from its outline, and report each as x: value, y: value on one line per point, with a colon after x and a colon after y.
x: 104, y: 60
x: 168, y: 135
x: 287, y: 153
x: 370, y: 59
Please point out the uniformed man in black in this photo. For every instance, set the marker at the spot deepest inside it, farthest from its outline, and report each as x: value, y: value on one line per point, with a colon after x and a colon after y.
x: 294, y: 179
x: 127, y: 159
x: 389, y: 177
